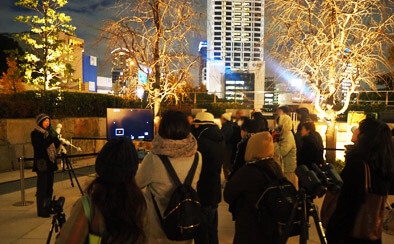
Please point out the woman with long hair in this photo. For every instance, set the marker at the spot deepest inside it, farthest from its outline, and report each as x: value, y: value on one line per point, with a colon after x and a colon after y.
x: 175, y: 142
x: 370, y: 163
x: 117, y: 205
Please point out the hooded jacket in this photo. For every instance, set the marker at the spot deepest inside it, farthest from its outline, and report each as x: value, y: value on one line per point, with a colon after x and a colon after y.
x: 211, y: 146
x: 285, y: 148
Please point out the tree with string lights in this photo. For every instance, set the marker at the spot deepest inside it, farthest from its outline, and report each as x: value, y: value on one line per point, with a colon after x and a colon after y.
x: 155, y: 35
x: 333, y: 46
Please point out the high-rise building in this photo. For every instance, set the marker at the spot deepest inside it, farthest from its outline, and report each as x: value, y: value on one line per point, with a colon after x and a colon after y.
x: 235, y: 46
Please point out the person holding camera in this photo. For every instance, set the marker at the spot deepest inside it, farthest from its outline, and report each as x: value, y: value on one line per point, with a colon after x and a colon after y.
x: 368, y: 172
x: 113, y: 211
x: 45, y: 143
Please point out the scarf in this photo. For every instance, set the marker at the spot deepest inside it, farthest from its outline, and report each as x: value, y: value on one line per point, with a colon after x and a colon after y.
x: 51, y: 150
x: 186, y: 147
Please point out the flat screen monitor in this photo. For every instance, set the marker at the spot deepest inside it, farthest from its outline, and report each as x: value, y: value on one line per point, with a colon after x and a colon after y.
x: 136, y: 124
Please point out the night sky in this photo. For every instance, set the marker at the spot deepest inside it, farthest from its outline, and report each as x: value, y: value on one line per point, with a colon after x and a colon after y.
x: 87, y: 16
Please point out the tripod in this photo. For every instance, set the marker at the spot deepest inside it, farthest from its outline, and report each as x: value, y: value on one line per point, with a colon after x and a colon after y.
x: 58, y: 219
x: 71, y: 173
x: 304, y: 208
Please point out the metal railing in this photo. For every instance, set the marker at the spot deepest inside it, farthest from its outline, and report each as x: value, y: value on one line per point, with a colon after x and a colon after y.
x: 22, y: 161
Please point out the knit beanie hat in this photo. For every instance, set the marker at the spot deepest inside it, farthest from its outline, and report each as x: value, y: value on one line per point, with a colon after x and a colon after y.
x: 40, y: 118
x: 204, y: 118
x: 260, y: 146
x: 117, y: 161
x: 227, y: 116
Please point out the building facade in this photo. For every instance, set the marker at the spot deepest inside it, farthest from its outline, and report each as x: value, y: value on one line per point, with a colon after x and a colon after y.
x: 235, y: 49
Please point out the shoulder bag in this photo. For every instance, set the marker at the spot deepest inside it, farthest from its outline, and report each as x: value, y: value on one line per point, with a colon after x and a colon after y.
x: 369, y: 220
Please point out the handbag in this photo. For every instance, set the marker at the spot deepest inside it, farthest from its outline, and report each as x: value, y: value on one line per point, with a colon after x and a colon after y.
x: 93, y: 239
x: 388, y: 223
x: 369, y: 219
x: 328, y: 207
x: 42, y: 165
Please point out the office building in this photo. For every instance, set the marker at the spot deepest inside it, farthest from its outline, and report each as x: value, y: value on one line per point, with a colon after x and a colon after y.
x: 235, y: 50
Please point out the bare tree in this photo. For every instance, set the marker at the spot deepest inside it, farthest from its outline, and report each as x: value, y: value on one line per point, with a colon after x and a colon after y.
x: 155, y: 33
x: 333, y: 46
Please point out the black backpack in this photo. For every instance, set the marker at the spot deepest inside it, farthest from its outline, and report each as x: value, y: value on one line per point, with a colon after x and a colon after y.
x: 182, y: 217
x: 275, y: 206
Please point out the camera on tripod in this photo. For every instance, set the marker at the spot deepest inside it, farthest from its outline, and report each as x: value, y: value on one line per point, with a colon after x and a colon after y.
x: 318, y: 180
x: 59, y: 217
x: 56, y: 206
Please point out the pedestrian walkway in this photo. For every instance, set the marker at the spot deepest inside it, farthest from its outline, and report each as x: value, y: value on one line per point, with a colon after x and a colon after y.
x: 20, y: 225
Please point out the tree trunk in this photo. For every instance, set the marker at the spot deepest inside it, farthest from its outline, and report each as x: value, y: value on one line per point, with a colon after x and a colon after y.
x: 331, y: 142
x: 157, y: 102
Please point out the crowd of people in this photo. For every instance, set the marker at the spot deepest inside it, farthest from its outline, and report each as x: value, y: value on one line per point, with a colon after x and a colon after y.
x: 128, y: 198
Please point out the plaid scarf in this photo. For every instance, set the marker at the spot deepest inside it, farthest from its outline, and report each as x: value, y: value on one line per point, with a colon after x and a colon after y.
x: 51, y: 150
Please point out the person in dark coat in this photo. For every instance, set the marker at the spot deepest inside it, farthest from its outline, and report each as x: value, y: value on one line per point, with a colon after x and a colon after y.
x: 211, y: 146
x: 228, y: 130
x: 248, y: 128
x: 245, y: 187
x: 259, y: 117
x: 45, y: 143
x: 374, y: 148
x: 312, y: 146
x: 302, y: 116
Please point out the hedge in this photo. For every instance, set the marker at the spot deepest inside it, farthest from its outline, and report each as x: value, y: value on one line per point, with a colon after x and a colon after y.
x: 74, y: 104
x: 60, y: 104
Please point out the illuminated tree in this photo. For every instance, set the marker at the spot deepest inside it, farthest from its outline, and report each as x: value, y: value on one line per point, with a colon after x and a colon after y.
x: 333, y: 46
x: 154, y: 33
x: 47, y: 58
x: 12, y: 80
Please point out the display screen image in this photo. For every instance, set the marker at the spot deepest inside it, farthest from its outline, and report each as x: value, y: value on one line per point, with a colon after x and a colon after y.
x: 136, y: 124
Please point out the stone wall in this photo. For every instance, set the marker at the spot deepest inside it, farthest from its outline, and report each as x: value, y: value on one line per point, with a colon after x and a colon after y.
x: 15, y: 138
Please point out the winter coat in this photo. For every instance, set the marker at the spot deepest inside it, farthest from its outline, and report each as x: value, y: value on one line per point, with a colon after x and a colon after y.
x: 311, y: 150
x: 227, y: 131
x: 239, y: 160
x: 153, y: 177
x: 40, y: 145
x: 211, y: 146
x: 285, y: 149
x: 351, y: 197
x: 243, y: 189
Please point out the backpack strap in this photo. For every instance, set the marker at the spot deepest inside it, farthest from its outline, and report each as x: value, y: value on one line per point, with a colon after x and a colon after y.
x: 174, y: 176
x: 86, y: 208
x: 170, y: 169
x: 93, y: 238
x: 192, y: 171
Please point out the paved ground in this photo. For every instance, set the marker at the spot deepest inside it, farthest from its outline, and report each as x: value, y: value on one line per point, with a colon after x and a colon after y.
x: 19, y: 224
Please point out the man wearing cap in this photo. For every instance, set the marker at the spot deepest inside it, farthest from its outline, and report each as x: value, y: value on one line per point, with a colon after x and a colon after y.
x: 211, y: 146
x: 45, y: 143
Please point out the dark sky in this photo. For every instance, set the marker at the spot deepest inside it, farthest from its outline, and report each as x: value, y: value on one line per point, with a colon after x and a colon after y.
x: 87, y: 16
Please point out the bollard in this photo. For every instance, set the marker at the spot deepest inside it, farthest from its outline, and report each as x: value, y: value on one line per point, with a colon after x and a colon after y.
x: 22, y: 174
x: 23, y: 201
